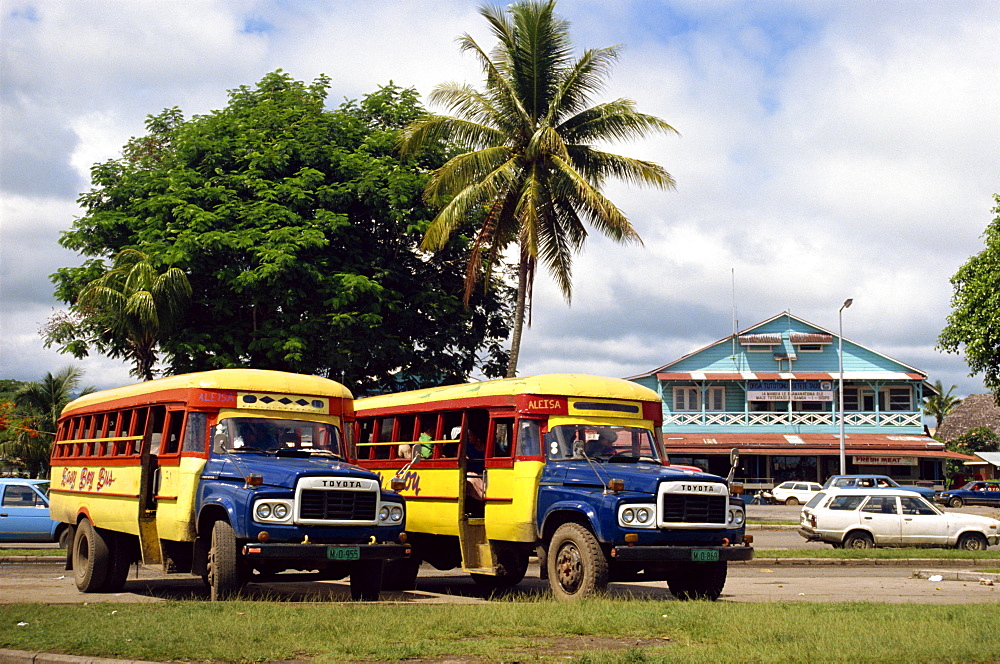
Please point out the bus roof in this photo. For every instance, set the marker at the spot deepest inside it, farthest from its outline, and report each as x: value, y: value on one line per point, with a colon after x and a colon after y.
x: 568, y: 385
x: 250, y: 380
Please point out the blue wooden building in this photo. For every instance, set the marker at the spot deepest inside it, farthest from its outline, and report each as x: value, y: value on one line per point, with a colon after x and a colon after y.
x: 772, y: 391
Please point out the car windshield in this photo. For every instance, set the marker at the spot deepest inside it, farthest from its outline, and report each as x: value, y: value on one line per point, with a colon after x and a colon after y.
x: 263, y: 435
x: 578, y: 441
x: 816, y: 500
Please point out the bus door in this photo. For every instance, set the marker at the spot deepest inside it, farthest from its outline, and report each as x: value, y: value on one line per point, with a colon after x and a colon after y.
x: 150, y: 421
x: 512, y: 485
x: 473, y: 477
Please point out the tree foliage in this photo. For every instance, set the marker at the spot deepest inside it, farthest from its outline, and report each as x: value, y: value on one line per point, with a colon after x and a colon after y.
x: 533, y: 176
x: 29, y: 421
x: 298, y: 228
x: 941, y: 403
x: 124, y: 312
x: 973, y: 326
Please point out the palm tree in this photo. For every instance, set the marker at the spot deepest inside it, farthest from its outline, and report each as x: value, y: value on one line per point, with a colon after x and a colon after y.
x: 133, y: 305
x: 43, y: 402
x: 532, y: 173
x: 939, y: 404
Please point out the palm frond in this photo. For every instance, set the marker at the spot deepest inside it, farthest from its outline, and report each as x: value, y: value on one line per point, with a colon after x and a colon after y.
x: 599, y: 211
x: 614, y: 120
x: 586, y: 78
x: 458, y: 172
x: 596, y: 166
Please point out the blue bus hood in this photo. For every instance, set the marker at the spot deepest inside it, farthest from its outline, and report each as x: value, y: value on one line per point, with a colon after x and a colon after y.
x: 285, y: 471
x: 638, y: 477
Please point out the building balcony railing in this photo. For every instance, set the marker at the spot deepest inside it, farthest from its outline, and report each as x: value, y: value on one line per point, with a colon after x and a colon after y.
x: 890, y: 419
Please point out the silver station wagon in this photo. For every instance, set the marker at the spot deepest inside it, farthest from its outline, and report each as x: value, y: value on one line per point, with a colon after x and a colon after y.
x: 866, y: 518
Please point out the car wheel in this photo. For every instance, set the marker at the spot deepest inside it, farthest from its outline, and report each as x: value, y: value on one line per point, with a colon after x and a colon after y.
x: 576, y: 565
x: 956, y: 502
x: 972, y: 542
x: 792, y: 501
x: 859, y: 541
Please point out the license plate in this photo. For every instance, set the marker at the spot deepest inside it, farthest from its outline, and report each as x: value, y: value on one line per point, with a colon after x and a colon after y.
x: 343, y: 553
x: 705, y: 555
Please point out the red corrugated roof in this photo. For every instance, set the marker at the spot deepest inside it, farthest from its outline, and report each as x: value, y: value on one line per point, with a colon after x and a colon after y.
x: 811, y: 444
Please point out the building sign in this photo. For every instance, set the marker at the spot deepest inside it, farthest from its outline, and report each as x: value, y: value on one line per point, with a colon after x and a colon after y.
x: 883, y: 460
x: 789, y: 390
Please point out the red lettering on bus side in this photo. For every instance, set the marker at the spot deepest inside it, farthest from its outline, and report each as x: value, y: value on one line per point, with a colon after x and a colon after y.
x: 68, y: 477
x: 105, y: 478
x: 86, y: 479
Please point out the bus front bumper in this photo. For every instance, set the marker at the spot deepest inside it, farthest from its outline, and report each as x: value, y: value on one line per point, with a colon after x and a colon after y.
x: 697, y: 554
x: 337, y: 552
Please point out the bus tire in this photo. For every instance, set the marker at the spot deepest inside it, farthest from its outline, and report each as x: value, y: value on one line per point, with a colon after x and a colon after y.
x: 512, y: 564
x: 366, y: 580
x: 91, y: 558
x: 223, y: 562
x: 122, y: 553
x: 401, y: 574
x: 698, y: 581
x: 576, y: 564
x: 64, y: 536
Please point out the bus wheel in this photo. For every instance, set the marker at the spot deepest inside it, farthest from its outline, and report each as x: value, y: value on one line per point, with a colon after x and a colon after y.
x: 512, y: 564
x: 65, y: 537
x: 577, y: 566
x: 91, y: 558
x: 366, y: 580
x: 223, y: 562
x: 698, y: 581
x: 401, y: 574
x: 122, y: 552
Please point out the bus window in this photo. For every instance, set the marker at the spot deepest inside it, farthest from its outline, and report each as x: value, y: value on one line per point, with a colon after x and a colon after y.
x: 158, y: 415
x: 503, y: 438
x: 451, y: 430
x: 568, y: 441
x: 406, y: 433
x: 528, y: 438
x: 384, y: 436
x: 365, y: 428
x: 174, y: 429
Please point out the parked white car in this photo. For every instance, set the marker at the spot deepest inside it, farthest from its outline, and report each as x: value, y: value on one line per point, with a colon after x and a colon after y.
x: 866, y: 518
x: 793, y: 492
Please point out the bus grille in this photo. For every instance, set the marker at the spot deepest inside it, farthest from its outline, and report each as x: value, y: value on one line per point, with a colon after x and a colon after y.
x: 338, y: 505
x: 694, y: 508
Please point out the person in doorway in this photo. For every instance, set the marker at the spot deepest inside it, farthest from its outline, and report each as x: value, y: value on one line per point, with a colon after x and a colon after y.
x: 475, y: 460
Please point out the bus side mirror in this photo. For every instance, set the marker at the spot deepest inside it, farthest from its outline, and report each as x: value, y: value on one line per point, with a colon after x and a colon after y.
x: 219, y: 442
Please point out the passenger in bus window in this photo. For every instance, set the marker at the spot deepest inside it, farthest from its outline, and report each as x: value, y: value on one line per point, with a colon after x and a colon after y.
x: 475, y: 489
x: 254, y: 436
x: 603, y: 445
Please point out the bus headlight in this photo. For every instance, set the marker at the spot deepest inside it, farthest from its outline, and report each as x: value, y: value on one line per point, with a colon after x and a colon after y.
x: 272, y: 511
x: 637, y: 516
x: 391, y: 514
x: 736, y: 517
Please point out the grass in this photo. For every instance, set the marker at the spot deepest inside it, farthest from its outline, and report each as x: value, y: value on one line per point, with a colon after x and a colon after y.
x: 55, y: 553
x: 595, y: 631
x: 879, y: 554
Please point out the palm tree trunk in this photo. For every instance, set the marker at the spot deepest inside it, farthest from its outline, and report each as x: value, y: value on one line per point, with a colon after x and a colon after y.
x: 522, y: 293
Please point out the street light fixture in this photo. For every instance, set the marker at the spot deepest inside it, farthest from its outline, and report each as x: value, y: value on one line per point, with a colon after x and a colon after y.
x: 840, y: 355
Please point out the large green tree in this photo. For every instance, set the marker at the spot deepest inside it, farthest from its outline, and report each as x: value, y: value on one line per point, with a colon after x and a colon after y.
x: 124, y: 312
x: 532, y: 176
x: 974, y: 323
x: 298, y: 228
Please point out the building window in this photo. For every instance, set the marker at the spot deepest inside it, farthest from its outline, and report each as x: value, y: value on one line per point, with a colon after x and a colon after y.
x: 896, y: 399
x: 809, y: 348
x: 810, y: 406
x: 761, y: 406
x: 687, y: 398
x: 857, y: 399
x: 715, y: 399
x: 759, y: 348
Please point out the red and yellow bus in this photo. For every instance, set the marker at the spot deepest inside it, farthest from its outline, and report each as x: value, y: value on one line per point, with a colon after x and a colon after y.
x: 224, y: 474
x: 569, y: 466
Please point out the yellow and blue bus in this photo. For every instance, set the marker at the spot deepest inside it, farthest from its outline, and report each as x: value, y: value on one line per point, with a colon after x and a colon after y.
x: 569, y: 467
x: 227, y: 474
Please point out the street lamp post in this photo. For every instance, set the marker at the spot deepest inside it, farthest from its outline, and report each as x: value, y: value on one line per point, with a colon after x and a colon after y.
x: 840, y: 356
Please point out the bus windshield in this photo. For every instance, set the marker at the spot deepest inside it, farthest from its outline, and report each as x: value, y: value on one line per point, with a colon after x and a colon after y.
x: 267, y: 436
x: 576, y: 441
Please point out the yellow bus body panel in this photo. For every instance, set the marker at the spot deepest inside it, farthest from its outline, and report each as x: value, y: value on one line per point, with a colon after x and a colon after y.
x: 247, y: 380
x: 109, y: 494
x: 511, y: 501
x: 432, y: 505
x: 175, y: 517
x: 566, y: 385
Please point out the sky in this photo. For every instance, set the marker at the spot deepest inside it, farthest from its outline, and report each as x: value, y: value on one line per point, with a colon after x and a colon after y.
x: 826, y: 150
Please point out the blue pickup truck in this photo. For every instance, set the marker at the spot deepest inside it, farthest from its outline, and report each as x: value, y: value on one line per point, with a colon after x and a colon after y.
x: 24, y: 513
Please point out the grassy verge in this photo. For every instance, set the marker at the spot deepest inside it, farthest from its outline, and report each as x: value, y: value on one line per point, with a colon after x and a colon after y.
x: 597, y: 631
x: 55, y: 553
x: 878, y: 554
